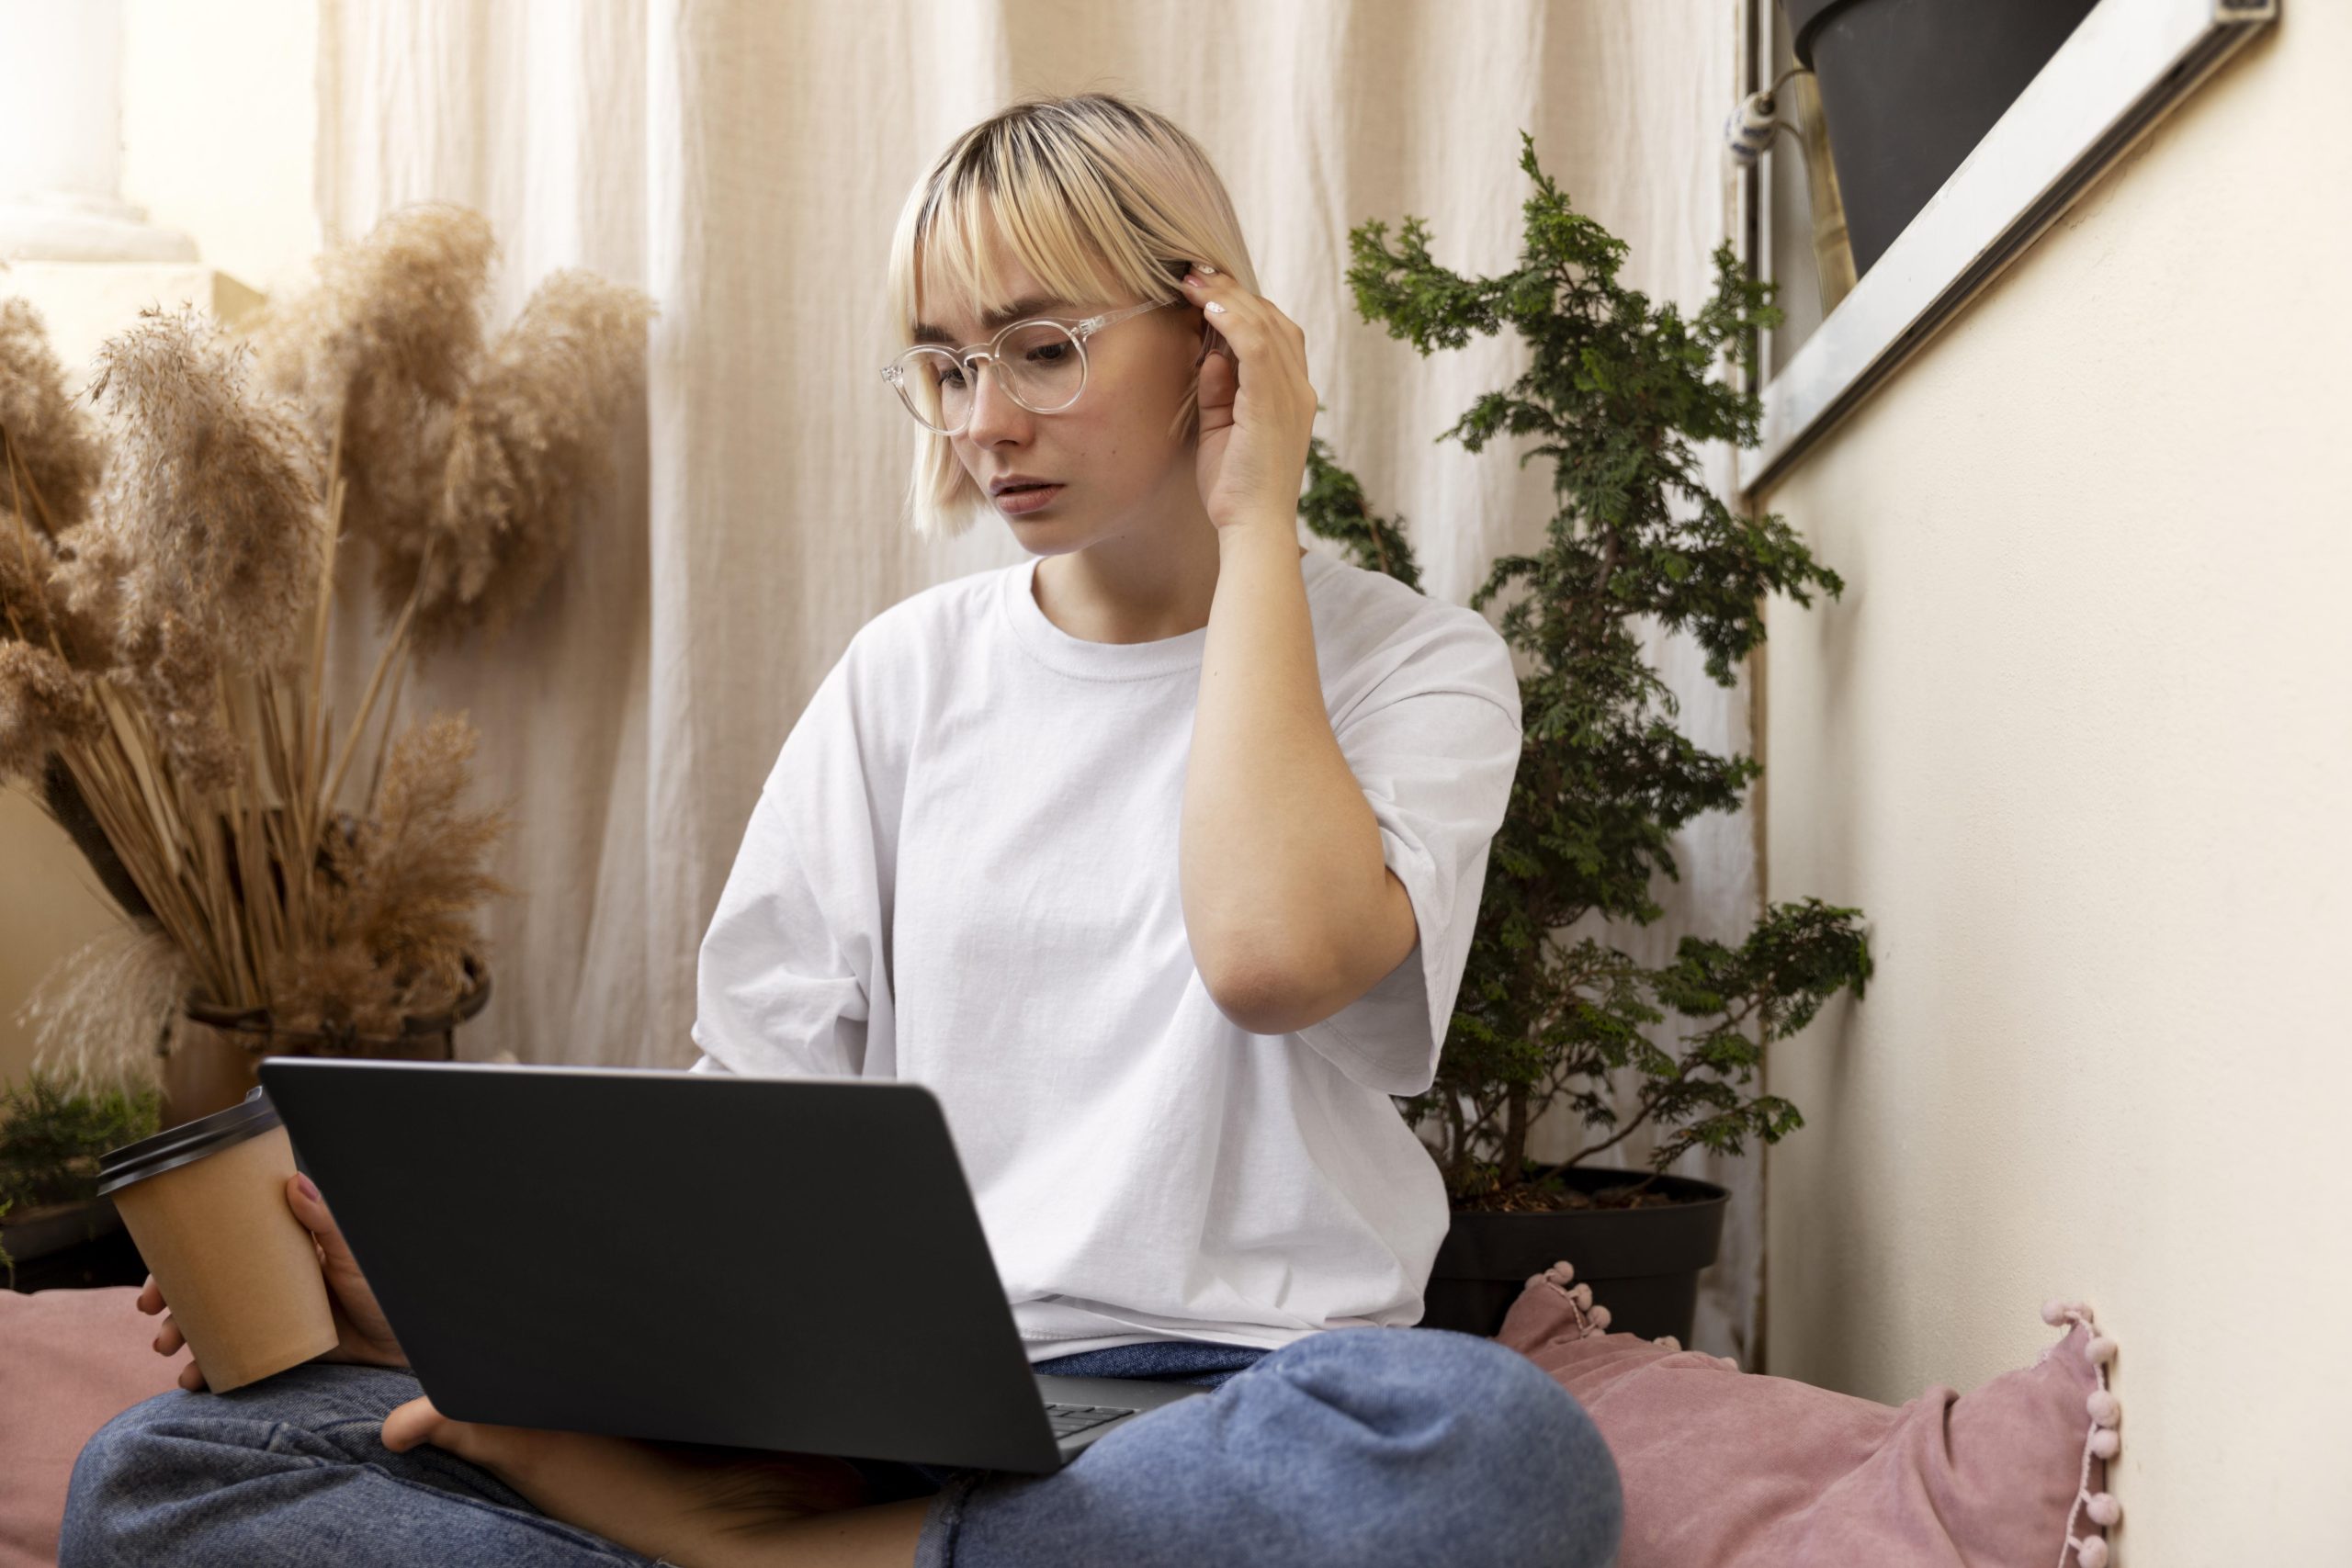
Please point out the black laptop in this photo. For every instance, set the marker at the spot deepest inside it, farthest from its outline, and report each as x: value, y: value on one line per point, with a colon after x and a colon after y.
x: 780, y: 1263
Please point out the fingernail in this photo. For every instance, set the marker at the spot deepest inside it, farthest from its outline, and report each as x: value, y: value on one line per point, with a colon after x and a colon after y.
x: 1215, y: 309
x: 310, y: 1190
x: 1204, y: 267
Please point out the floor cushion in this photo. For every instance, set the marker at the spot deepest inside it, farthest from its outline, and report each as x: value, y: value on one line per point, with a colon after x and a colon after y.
x: 70, y: 1362
x: 1719, y: 1467
x: 1733, y: 1470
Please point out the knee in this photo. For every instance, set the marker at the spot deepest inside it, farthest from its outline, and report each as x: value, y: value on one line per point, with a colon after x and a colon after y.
x: 114, y: 1450
x: 1475, y: 1419
x: 106, y: 1474
x: 1545, y: 1447
x: 160, y: 1471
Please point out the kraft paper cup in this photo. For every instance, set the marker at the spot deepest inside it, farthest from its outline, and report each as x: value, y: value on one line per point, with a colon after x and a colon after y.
x: 206, y: 1203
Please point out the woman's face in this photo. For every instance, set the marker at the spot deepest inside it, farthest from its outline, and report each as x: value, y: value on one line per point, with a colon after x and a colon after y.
x: 1120, y: 471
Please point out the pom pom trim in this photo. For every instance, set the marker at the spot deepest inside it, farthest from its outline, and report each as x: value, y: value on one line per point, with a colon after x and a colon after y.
x: 2102, y: 1412
x: 1591, y: 1319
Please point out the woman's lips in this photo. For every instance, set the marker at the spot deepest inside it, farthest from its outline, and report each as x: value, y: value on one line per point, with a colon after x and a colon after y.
x: 1014, y: 502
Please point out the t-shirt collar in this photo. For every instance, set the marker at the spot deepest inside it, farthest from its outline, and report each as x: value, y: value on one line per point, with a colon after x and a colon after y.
x: 1056, y: 650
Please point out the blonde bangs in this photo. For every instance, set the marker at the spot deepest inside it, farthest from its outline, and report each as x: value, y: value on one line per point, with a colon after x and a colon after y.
x: 1103, y: 201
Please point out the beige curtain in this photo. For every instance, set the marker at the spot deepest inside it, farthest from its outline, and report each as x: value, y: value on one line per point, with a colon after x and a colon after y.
x: 744, y: 163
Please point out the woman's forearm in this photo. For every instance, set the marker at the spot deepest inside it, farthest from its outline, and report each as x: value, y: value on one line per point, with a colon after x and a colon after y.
x: 1280, y: 853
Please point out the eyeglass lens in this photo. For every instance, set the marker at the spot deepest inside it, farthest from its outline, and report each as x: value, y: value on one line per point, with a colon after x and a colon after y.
x: 1041, y: 366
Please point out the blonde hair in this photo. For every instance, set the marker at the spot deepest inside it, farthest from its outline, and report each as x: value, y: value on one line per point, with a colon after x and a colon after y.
x: 1099, y: 198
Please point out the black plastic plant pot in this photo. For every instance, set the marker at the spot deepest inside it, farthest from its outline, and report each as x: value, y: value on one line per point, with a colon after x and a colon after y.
x: 1908, y: 87
x: 1642, y: 1264
x: 69, y: 1246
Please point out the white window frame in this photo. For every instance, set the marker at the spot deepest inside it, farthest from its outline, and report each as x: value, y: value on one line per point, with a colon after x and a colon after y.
x: 2128, y: 65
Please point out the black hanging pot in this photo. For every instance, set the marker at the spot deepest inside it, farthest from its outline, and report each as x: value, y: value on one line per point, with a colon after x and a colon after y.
x: 1908, y: 87
x: 1641, y: 1263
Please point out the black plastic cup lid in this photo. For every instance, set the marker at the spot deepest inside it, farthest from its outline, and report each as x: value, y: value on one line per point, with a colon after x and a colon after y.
x: 188, y: 1142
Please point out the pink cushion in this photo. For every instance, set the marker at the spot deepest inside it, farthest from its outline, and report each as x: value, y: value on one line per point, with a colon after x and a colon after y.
x: 70, y: 1362
x: 1736, y: 1471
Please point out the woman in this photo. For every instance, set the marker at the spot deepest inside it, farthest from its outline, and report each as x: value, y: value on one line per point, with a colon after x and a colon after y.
x: 1155, y: 858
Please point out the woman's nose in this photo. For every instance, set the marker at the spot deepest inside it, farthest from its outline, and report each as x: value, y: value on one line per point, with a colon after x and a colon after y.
x: 994, y: 412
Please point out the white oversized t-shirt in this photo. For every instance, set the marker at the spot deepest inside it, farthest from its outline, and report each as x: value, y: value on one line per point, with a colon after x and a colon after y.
x: 962, y: 871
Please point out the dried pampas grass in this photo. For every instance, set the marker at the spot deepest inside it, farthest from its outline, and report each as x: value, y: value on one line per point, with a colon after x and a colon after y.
x: 380, y: 350
x: 100, y: 1015
x: 210, y: 508
x: 397, y: 922
x: 167, y: 584
x: 465, y: 464
x: 58, y: 453
x: 530, y: 436
x: 44, y: 704
x: 34, y: 599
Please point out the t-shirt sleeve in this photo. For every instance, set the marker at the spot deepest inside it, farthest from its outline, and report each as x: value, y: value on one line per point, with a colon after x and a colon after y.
x: 793, y: 974
x: 1436, y: 761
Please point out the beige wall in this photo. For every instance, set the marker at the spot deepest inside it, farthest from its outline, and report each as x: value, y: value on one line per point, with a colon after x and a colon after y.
x: 219, y: 129
x: 49, y: 904
x: 220, y: 117
x: 2077, y: 740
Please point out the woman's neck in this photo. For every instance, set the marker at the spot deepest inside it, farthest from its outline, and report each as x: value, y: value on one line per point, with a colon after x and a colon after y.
x: 1123, y: 591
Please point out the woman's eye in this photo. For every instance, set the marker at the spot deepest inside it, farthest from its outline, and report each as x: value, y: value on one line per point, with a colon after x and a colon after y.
x: 1049, y: 353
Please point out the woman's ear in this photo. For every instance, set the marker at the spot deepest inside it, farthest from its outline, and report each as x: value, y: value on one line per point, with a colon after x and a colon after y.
x: 1212, y: 341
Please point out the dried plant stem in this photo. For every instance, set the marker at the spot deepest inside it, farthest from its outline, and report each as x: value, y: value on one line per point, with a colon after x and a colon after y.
x: 211, y: 886
x: 16, y: 626
x: 394, y: 646
x: 115, y: 761
x: 23, y: 531
x: 265, y: 933
x: 384, y: 740
x: 286, y: 829
x: 316, y: 757
x: 300, y: 766
x: 109, y: 783
x: 39, y: 513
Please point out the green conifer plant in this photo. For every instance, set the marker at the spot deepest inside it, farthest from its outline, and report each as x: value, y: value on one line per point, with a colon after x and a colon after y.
x: 1616, y: 392
x: 51, y: 1138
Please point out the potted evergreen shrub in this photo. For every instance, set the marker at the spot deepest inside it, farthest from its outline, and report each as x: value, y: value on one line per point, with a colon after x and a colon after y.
x: 54, y: 1229
x: 1550, y: 1008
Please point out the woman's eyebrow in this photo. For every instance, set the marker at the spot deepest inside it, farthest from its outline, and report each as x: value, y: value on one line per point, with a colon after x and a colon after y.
x: 1028, y: 305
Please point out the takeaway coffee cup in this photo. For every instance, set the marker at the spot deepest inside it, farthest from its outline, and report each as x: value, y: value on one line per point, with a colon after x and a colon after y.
x: 206, y: 1203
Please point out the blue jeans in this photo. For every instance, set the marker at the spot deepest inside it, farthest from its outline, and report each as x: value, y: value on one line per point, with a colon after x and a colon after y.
x: 1360, y: 1447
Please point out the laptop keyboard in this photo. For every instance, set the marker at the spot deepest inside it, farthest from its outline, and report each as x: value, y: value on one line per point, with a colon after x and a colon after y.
x: 1069, y: 1418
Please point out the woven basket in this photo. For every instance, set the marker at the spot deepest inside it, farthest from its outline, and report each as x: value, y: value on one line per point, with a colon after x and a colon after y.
x: 215, y: 1056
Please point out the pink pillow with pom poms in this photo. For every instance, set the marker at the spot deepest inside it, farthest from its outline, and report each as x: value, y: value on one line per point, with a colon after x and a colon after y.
x: 1735, y: 1471
x: 70, y: 1359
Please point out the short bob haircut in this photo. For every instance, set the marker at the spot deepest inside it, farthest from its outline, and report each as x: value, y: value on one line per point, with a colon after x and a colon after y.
x: 1100, y: 199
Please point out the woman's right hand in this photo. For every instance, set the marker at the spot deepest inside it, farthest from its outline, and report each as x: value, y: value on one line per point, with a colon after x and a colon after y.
x: 362, y: 1335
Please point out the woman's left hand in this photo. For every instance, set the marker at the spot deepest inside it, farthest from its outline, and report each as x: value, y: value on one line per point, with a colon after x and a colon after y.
x: 658, y: 1499
x: 1257, y: 406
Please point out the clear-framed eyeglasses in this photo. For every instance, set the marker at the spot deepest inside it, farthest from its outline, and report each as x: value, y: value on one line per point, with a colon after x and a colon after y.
x: 1040, y: 363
